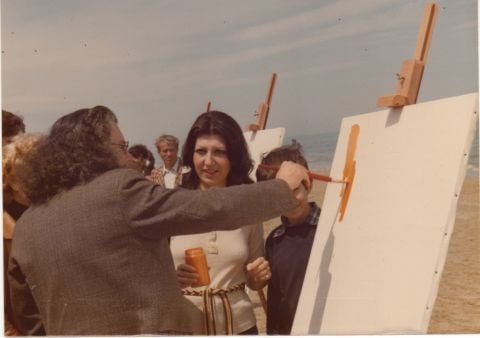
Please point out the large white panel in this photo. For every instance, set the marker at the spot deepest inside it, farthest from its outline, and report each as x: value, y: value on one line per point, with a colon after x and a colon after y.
x: 378, y: 270
x: 261, y: 142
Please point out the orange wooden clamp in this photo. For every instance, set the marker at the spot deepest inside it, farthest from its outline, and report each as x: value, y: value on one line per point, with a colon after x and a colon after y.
x: 349, y: 169
x: 411, y: 72
x: 263, y: 108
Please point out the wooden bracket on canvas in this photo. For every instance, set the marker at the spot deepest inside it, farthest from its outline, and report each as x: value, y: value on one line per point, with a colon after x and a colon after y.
x: 349, y: 169
x: 263, y: 108
x: 411, y: 72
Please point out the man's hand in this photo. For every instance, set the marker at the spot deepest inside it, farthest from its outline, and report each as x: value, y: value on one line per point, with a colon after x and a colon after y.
x: 294, y: 174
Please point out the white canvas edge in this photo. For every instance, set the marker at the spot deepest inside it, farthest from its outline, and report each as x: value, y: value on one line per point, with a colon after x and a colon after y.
x: 300, y: 325
x: 252, y: 136
x: 450, y: 224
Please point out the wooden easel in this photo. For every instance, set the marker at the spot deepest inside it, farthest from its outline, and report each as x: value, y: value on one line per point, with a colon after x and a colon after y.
x: 260, y: 124
x: 411, y: 72
x: 408, y: 86
x: 263, y: 108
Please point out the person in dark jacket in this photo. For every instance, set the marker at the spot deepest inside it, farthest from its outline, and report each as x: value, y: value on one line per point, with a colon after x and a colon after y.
x: 91, y: 255
x: 288, y: 246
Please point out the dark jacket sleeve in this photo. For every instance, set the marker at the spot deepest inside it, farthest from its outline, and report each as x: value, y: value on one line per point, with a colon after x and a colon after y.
x: 26, y: 316
x: 156, y: 212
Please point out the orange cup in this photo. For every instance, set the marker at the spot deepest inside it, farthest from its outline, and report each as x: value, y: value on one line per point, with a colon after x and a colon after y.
x: 196, y: 257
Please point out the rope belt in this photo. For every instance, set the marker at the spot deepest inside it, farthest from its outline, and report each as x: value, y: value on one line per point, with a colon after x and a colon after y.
x: 209, y: 309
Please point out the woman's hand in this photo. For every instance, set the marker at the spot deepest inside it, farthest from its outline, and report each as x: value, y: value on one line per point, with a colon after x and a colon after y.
x: 259, y: 273
x: 186, y: 275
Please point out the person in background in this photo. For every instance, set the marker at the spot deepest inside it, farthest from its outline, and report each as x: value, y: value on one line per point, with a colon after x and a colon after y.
x: 91, y: 255
x: 15, y: 202
x: 12, y: 125
x: 170, y: 174
x: 143, y: 157
x: 288, y: 246
x: 216, y: 152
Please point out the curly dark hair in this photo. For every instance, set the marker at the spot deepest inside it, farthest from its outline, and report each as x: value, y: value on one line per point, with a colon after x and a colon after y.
x: 221, y: 124
x: 140, y: 151
x: 11, y: 124
x: 75, y: 151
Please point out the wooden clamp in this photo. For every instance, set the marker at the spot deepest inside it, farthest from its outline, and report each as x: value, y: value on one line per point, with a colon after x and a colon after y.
x: 349, y: 169
x: 411, y: 72
x: 209, y: 105
x: 263, y: 108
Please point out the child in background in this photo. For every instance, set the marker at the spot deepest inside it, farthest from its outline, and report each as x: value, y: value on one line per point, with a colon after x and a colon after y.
x: 143, y: 158
x: 288, y: 246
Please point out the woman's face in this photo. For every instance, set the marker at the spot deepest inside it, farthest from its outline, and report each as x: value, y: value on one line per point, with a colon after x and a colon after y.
x: 211, y: 161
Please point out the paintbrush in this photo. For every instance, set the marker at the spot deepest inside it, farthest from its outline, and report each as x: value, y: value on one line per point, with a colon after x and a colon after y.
x: 312, y: 175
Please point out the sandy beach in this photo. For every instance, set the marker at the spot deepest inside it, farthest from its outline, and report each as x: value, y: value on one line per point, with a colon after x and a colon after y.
x: 457, y: 308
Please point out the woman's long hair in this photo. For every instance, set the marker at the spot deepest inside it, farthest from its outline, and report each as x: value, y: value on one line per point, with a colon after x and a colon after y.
x: 221, y: 124
x: 75, y: 151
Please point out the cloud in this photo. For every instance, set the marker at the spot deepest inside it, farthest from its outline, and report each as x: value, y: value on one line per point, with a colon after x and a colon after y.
x: 149, y: 55
x: 329, y: 14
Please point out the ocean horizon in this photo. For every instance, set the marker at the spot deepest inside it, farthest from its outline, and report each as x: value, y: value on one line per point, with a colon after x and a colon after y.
x: 319, y: 149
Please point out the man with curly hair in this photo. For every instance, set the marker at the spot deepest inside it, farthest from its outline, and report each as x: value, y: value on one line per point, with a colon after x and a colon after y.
x: 91, y: 255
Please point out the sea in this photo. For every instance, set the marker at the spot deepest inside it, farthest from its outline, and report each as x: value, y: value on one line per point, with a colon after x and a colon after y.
x: 319, y: 149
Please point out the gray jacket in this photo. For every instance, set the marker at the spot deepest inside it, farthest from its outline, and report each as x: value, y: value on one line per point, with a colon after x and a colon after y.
x: 95, y: 260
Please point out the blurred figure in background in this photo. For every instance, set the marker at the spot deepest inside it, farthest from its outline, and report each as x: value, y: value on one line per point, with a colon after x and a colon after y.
x: 15, y: 202
x: 143, y: 157
x: 170, y: 174
x: 12, y: 125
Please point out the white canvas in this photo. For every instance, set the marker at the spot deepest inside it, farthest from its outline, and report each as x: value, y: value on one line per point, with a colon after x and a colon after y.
x: 261, y: 142
x: 379, y: 269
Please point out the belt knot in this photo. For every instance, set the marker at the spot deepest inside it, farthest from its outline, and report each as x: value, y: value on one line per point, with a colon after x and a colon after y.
x: 209, y: 309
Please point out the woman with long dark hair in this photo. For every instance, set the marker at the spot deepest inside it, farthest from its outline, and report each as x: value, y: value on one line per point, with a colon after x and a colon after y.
x: 217, y: 154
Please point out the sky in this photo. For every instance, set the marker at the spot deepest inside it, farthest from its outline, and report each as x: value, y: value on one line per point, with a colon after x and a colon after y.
x: 156, y: 63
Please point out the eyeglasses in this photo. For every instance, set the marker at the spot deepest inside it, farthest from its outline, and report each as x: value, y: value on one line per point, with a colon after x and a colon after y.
x: 123, y: 145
